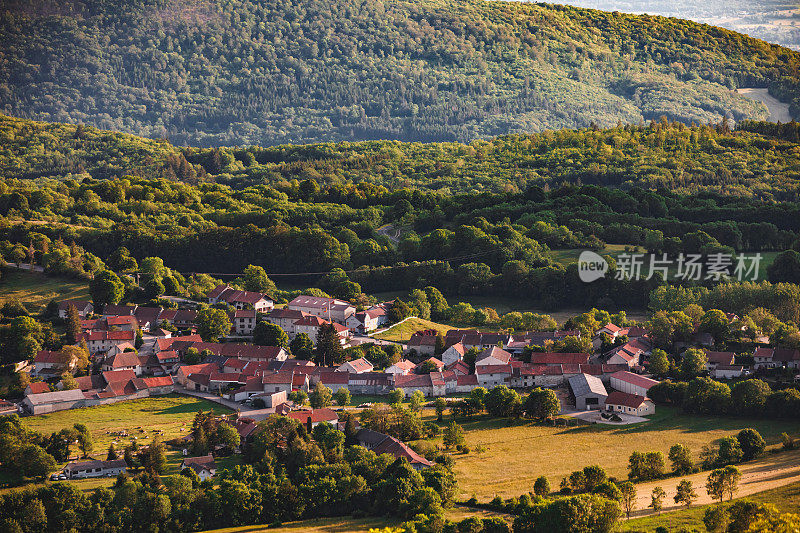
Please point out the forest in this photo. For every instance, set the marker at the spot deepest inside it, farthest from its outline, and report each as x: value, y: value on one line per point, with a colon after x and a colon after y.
x: 210, y: 73
x: 219, y: 210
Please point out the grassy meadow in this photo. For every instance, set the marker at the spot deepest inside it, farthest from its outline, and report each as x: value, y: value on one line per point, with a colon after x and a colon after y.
x: 35, y: 290
x: 403, y: 331
x: 519, y: 452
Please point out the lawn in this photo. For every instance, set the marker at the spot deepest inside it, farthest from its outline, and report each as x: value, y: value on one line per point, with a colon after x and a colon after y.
x: 786, y: 499
x: 517, y: 453
x: 35, y: 290
x: 403, y: 331
x: 173, y: 414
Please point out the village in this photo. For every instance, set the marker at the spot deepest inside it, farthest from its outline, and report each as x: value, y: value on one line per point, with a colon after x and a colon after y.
x: 605, y: 386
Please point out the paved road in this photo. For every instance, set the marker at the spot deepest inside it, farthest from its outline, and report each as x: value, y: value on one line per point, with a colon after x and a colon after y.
x: 769, y: 472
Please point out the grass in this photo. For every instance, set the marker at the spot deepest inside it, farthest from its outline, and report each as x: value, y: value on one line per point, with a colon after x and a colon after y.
x: 402, y: 332
x: 172, y: 414
x: 786, y: 499
x: 35, y: 290
x: 517, y: 453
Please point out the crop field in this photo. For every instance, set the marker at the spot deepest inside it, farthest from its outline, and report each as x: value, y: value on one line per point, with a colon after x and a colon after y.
x: 519, y: 452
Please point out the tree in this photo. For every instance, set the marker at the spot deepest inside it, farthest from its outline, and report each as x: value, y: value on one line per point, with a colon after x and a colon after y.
x: 68, y: 381
x: 681, y: 457
x: 416, y: 400
x: 751, y: 443
x: 106, y: 288
x: 299, y: 397
x: 302, y: 347
x: 628, y: 501
x: 541, y: 404
x: 440, y: 404
x: 722, y: 482
x: 657, y: 499
x: 453, y: 435
x: 399, y: 311
x: 254, y: 278
x: 750, y: 396
x: 212, y: 324
x: 396, y: 396
x: 426, y: 367
x: 328, y: 350
x: 73, y: 326
x: 75, y: 357
x: 155, y: 457
x: 716, y: 323
x: 685, y: 493
x: 706, y: 396
x: 267, y: 334
x: 693, y: 363
x: 343, y: 397
x: 785, y: 267
x: 321, y: 396
x: 227, y: 435
x: 730, y: 451
x: 192, y: 356
x: 659, y: 362
x: 645, y: 466
x: 541, y: 487
x: 502, y: 402
x: 112, y: 453
x: 32, y: 461
x: 85, y: 441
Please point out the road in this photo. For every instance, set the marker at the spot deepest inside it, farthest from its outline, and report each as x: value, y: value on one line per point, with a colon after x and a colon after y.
x: 769, y: 472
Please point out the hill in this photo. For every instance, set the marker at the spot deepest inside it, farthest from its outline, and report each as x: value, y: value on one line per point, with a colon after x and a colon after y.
x: 208, y: 72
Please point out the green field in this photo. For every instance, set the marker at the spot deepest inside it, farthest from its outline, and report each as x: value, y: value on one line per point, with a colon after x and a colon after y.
x: 35, y: 290
x: 402, y: 332
x: 518, y: 452
x: 172, y: 414
x: 786, y: 499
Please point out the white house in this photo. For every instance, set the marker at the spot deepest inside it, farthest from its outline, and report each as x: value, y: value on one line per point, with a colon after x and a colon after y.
x: 492, y: 375
x: 244, y: 321
x: 84, y: 308
x: 492, y: 357
x: 404, y: 366
x: 240, y: 299
x: 85, y: 469
x: 203, y: 466
x: 727, y: 371
x: 629, y: 404
x: 356, y: 366
x: 453, y: 353
x: 327, y: 308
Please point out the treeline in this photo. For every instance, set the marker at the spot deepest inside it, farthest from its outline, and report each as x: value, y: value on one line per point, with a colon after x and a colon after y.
x: 248, y: 72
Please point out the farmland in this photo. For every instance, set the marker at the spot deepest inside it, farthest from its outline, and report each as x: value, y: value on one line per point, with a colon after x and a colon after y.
x: 517, y: 453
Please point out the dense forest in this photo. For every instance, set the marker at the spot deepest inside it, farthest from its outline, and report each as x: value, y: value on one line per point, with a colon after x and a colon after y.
x: 229, y: 211
x: 210, y: 73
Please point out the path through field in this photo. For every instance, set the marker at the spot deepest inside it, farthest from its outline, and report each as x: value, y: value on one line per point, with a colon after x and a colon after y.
x: 769, y: 472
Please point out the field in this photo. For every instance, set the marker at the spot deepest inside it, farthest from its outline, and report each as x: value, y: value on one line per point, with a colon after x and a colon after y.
x: 401, y: 332
x: 517, y: 453
x: 35, y: 290
x: 786, y: 499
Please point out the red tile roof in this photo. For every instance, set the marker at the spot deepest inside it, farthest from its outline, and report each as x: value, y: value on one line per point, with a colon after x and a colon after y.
x: 551, y: 358
x: 39, y: 387
x: 634, y: 379
x: 162, y: 381
x: 625, y: 399
x: 316, y: 415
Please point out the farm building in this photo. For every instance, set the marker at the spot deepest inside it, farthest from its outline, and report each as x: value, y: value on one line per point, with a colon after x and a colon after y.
x: 589, y: 391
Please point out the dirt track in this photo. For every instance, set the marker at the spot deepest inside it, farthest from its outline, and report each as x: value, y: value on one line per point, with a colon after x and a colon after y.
x: 768, y: 472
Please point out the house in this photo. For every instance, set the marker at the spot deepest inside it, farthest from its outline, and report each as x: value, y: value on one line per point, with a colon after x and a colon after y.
x: 609, y: 329
x: 124, y: 323
x: 119, y: 310
x: 8, y: 408
x: 37, y: 387
x: 491, y: 357
x: 84, y: 469
x: 432, y: 384
x: 625, y: 355
x: 148, y: 317
x: 589, y: 391
x: 727, y: 371
x: 356, y: 366
x: 183, y: 373
x: 286, y: 318
x: 422, y: 343
x: 439, y: 366
x: 328, y: 308
x: 244, y: 321
x: 404, y: 366
x: 380, y: 444
x: 629, y: 404
x: 368, y: 382
x: 492, y: 375
x: 310, y: 325
x: 240, y: 299
x: 557, y: 359
x: 716, y: 359
x: 466, y: 383
x: 453, y: 353
x: 159, y: 385
x: 122, y: 361
x: 368, y: 320
x: 765, y: 357
x: 48, y: 364
x: 102, y: 341
x: 203, y: 466
x: 84, y: 308
x: 315, y: 416
x: 631, y: 383
x: 277, y: 381
x: 168, y: 360
x: 48, y: 402
x: 218, y: 381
